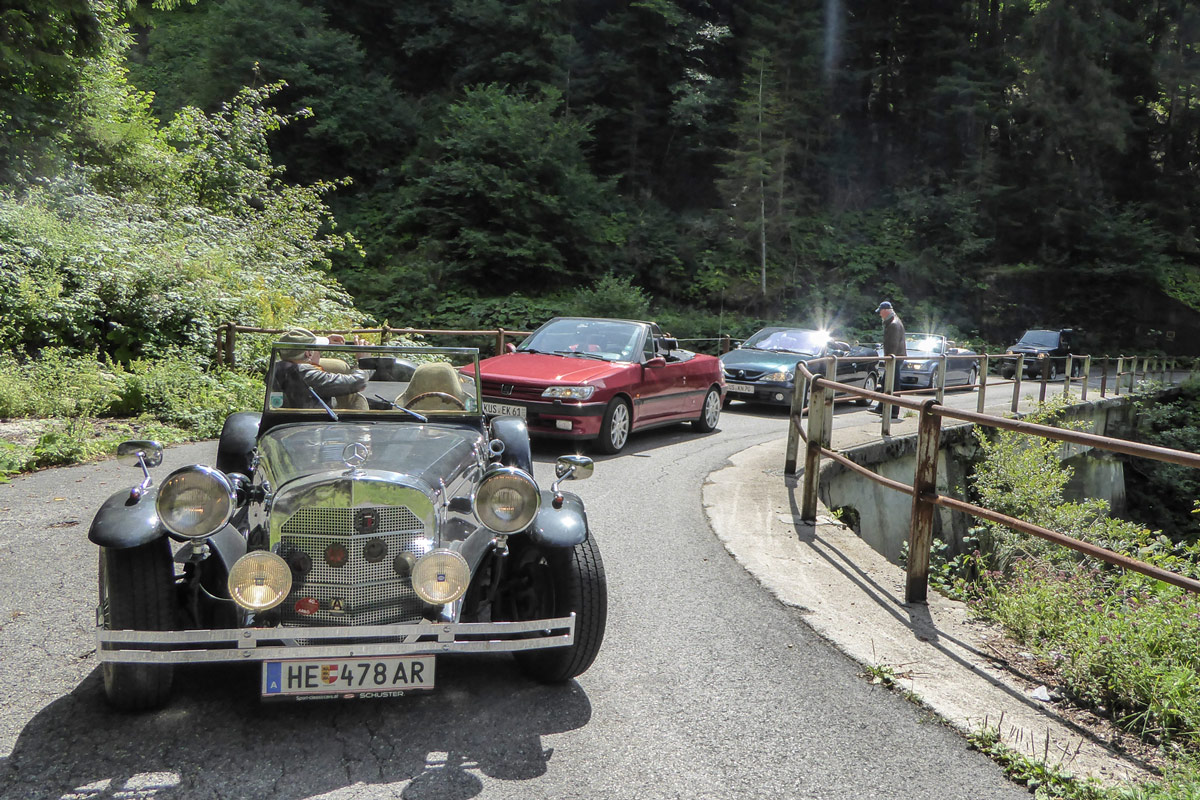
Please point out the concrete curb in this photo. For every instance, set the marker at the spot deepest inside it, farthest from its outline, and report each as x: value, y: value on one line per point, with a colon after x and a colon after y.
x: 853, y: 597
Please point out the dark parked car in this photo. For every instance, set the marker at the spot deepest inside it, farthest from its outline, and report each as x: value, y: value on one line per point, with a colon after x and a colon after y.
x: 344, y: 548
x: 598, y: 380
x: 920, y: 369
x: 1055, y: 345
x: 762, y: 369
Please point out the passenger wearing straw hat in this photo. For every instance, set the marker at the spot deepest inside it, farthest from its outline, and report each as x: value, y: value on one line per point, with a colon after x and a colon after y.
x: 893, y: 345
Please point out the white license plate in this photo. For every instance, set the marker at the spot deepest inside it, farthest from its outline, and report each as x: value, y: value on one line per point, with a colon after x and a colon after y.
x: 382, y: 676
x: 502, y: 409
x: 739, y: 388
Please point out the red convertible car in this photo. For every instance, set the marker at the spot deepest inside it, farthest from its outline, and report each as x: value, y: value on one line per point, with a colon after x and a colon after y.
x: 601, y: 379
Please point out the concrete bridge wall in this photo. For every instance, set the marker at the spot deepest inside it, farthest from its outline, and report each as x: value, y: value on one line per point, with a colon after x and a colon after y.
x: 881, y: 515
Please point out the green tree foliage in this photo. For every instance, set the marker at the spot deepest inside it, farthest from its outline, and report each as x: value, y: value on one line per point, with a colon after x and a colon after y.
x: 506, y: 195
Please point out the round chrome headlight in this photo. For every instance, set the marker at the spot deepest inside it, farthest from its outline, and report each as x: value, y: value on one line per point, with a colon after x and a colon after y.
x: 440, y: 576
x: 195, y: 502
x: 259, y: 580
x: 507, y: 500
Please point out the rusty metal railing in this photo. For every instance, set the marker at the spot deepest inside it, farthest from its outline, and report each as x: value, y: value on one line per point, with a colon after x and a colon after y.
x: 820, y: 393
x: 227, y: 334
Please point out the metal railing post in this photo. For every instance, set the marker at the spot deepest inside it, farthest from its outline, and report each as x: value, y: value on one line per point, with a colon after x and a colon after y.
x: 812, y: 456
x: 983, y: 378
x: 1020, y: 372
x: 941, y: 387
x: 920, y: 527
x: 889, y: 383
x: 799, y: 389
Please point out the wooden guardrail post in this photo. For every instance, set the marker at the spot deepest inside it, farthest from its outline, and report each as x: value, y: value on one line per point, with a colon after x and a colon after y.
x: 983, y: 379
x: 1044, y: 366
x: 799, y: 389
x: 230, y: 333
x: 920, y: 527
x: 1067, y: 375
x: 1017, y: 375
x: 889, y: 383
x: 817, y: 410
x: 1087, y: 376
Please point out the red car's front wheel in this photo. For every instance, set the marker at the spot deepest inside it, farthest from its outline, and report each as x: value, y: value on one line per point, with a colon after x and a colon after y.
x: 614, y: 431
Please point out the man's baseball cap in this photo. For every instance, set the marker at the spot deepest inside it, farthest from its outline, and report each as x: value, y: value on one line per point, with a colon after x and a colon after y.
x: 882, y: 306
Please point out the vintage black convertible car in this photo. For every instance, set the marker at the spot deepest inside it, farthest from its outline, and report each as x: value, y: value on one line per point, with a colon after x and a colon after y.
x: 345, y: 542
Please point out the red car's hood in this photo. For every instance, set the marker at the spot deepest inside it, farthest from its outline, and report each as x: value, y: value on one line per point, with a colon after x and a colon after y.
x: 536, y: 368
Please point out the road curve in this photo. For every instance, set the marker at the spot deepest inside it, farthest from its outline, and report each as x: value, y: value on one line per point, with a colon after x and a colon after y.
x: 705, y: 686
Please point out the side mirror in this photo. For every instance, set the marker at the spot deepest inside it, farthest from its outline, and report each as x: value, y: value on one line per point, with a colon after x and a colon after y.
x: 573, y: 468
x: 668, y: 343
x: 656, y: 363
x: 136, y: 451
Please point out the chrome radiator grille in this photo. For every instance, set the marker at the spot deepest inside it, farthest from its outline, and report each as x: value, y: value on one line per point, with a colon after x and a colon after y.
x: 368, y: 593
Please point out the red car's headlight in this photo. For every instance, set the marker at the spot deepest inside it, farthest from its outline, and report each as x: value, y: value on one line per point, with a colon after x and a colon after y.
x: 570, y: 392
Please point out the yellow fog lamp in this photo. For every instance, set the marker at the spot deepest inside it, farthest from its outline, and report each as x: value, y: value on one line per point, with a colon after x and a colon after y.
x: 440, y: 576
x: 260, y: 580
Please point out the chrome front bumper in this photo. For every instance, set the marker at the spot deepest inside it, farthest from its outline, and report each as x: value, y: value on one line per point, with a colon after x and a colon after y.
x: 269, y: 644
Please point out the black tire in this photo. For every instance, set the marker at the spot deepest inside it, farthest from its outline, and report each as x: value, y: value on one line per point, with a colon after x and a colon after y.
x: 871, y: 384
x: 137, y: 592
x: 553, y: 582
x: 615, y: 429
x: 710, y: 412
x: 1007, y: 374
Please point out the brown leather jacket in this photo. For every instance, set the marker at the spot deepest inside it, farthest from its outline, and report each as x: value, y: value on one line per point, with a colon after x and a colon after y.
x: 893, y: 337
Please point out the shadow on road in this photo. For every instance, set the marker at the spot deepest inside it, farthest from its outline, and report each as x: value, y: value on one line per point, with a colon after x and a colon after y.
x: 216, y: 739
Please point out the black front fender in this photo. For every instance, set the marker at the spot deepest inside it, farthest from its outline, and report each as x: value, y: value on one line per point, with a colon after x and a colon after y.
x: 125, y: 521
x: 560, y: 527
x: 515, y: 435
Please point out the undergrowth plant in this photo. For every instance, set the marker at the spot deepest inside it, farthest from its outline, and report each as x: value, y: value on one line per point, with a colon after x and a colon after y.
x: 1121, y: 643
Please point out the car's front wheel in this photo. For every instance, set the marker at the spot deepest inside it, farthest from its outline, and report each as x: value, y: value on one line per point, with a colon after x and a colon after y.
x: 614, y: 430
x: 553, y: 582
x: 972, y: 377
x: 710, y: 412
x: 871, y: 384
x: 137, y: 592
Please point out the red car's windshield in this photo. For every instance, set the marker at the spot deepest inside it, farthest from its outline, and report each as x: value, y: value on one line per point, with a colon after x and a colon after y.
x: 601, y: 339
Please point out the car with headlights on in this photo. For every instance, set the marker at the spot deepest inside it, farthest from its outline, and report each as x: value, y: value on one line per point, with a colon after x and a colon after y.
x: 1044, y: 351
x: 598, y: 380
x: 347, y: 545
x: 762, y: 368
x: 928, y: 355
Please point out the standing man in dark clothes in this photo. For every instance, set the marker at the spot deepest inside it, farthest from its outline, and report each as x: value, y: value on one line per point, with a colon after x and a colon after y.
x: 893, y: 345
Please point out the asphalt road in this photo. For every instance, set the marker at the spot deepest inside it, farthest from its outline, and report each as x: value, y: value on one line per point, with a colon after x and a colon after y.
x: 705, y: 687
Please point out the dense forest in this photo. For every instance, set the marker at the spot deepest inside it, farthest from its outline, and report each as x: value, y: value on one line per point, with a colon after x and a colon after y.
x: 985, y: 165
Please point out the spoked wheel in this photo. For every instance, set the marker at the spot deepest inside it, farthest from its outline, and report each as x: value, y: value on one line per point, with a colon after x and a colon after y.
x: 137, y: 592
x: 614, y: 431
x: 710, y: 412
x: 553, y: 582
x: 972, y: 377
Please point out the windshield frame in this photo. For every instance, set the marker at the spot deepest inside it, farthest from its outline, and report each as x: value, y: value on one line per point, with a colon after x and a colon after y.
x: 460, y: 358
